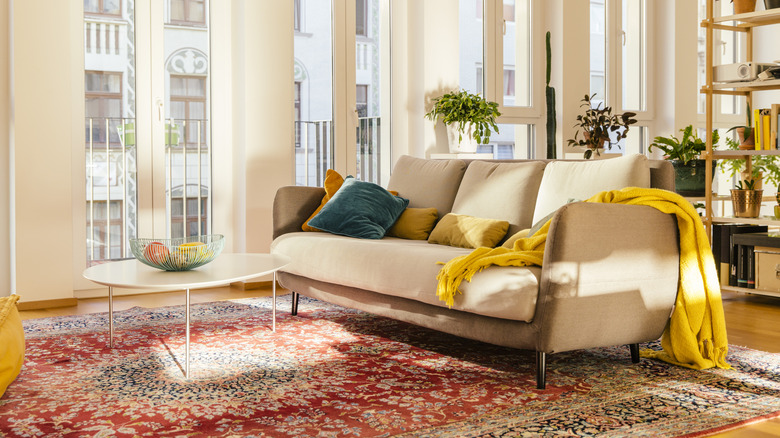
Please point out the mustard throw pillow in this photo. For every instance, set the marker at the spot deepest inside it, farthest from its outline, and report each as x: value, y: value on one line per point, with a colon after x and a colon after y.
x: 333, y: 182
x: 414, y: 224
x: 468, y: 231
x: 522, y: 234
x: 11, y: 342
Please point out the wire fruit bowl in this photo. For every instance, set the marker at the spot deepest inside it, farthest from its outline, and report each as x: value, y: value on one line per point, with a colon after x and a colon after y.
x: 180, y: 254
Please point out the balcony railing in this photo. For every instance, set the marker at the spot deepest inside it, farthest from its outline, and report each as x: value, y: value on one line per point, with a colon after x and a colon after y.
x: 314, y: 150
x: 111, y: 183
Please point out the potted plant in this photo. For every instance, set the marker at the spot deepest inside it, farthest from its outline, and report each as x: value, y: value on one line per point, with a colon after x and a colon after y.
x: 689, y: 170
x: 598, y: 126
x: 744, y: 6
x: 746, y: 199
x: 465, y: 114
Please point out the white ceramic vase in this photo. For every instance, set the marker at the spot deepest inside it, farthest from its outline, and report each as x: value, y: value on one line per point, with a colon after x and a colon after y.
x: 465, y: 146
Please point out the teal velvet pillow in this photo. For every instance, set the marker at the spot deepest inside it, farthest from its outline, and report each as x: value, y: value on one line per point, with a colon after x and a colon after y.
x: 360, y: 209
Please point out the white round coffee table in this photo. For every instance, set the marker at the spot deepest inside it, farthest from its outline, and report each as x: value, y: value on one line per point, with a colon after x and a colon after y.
x: 225, y: 269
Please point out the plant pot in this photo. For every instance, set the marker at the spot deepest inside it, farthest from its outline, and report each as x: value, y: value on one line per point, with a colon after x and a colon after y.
x: 466, y: 145
x: 746, y: 143
x: 771, y: 4
x: 690, y: 178
x: 746, y: 203
x: 744, y: 6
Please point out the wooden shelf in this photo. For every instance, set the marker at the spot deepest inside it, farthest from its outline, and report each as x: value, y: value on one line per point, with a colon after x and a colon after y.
x: 746, y: 87
x: 750, y: 19
x: 763, y: 220
x: 743, y: 153
x: 745, y: 290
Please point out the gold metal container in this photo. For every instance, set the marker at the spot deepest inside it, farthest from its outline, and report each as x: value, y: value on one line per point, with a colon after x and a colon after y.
x: 746, y: 203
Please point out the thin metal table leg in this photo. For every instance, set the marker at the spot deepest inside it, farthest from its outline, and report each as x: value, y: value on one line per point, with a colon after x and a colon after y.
x: 273, y: 305
x: 187, y: 344
x: 111, y: 317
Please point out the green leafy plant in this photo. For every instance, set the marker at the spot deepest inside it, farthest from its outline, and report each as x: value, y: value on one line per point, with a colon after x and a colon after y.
x: 685, y: 149
x: 598, y: 125
x: 463, y: 108
x: 750, y: 184
x: 766, y: 165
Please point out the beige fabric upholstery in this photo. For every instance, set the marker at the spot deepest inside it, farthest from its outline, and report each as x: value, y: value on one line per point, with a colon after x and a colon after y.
x: 503, y: 191
x: 408, y: 269
x: 610, y: 275
x: 565, y: 180
x: 427, y: 183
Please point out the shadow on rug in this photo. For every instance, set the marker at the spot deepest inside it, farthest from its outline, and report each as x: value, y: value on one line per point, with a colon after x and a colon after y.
x: 332, y: 371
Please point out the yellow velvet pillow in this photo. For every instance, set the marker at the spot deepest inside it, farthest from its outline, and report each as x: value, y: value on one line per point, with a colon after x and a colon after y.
x: 11, y: 342
x: 510, y: 243
x: 414, y: 224
x: 333, y: 182
x: 468, y: 231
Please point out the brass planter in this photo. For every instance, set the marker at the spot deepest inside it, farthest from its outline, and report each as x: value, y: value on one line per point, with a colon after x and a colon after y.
x: 746, y: 203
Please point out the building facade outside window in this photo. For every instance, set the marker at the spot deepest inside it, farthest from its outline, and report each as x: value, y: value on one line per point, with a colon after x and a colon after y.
x: 188, y: 12
x: 103, y: 7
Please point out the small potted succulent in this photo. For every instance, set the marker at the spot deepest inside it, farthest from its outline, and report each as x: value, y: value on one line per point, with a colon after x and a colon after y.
x: 746, y: 199
x: 600, y: 127
x: 689, y: 170
x: 465, y: 115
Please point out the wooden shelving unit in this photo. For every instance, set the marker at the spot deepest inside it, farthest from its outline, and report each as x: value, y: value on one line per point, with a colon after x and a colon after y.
x: 735, y: 23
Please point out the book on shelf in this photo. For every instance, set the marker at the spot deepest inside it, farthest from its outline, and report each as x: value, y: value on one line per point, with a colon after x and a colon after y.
x: 728, y: 258
x: 765, y: 130
x: 757, y: 128
x: 745, y: 244
x: 774, y: 112
x: 750, y: 268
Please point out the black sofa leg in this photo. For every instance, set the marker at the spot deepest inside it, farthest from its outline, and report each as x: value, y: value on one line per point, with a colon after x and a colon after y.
x: 634, y: 352
x: 541, y: 370
x: 294, y: 310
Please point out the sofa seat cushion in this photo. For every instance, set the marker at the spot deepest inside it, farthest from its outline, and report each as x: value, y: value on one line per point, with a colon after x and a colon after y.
x: 408, y: 269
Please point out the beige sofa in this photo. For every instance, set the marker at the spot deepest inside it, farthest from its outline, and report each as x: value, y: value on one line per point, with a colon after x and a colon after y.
x: 609, y: 275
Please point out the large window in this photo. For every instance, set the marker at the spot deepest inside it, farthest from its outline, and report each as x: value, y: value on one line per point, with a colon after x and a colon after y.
x: 341, y: 120
x: 159, y: 163
x: 506, y: 78
x: 618, y: 65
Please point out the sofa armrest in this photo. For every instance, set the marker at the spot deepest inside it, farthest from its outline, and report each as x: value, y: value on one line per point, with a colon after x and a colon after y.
x: 292, y: 206
x: 609, y: 277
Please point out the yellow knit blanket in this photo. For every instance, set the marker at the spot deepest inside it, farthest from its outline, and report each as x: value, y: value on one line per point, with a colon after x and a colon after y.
x: 696, y: 334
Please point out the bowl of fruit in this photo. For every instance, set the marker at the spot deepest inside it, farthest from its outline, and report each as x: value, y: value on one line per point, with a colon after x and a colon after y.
x: 179, y: 254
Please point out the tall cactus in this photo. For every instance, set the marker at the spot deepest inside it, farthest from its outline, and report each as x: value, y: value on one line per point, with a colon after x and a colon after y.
x: 550, y: 94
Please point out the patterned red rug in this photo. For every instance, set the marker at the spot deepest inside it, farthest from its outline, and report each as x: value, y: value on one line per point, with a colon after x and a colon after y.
x: 336, y: 372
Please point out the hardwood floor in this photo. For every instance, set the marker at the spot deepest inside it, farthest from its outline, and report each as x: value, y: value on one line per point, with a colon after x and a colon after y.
x: 752, y: 321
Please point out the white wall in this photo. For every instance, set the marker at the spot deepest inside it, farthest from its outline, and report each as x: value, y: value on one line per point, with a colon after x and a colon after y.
x: 263, y: 112
x: 46, y: 68
x: 5, y: 141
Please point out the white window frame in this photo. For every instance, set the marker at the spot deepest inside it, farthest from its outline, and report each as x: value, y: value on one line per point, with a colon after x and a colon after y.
x: 613, y: 81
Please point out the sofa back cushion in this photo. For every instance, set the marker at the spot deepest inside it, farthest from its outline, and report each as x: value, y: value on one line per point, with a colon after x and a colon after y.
x: 503, y: 191
x: 427, y: 183
x: 566, y: 180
